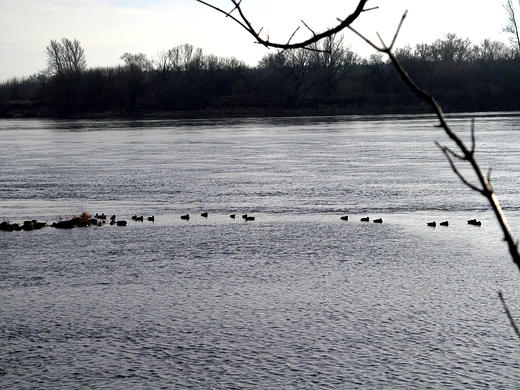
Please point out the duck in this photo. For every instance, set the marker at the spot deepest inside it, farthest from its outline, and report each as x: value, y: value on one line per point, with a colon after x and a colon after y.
x: 474, y: 222
x: 244, y: 216
x: 152, y: 218
x: 204, y: 214
x: 121, y: 223
x: 186, y: 217
x: 379, y: 220
x: 344, y: 218
x: 249, y: 218
x: 445, y: 223
x: 432, y: 224
x: 232, y: 216
x: 365, y: 219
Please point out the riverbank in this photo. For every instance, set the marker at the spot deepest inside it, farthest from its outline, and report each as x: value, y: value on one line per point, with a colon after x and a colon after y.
x: 304, y: 107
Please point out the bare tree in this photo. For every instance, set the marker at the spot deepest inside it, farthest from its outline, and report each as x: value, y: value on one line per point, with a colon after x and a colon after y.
x: 512, y: 25
x: 137, y: 62
x: 135, y: 70
x: 489, y: 50
x: 300, y: 65
x: 428, y: 65
x: 162, y: 64
x: 65, y: 57
x: 62, y: 78
x: 333, y: 61
x: 452, y: 50
x: 380, y: 72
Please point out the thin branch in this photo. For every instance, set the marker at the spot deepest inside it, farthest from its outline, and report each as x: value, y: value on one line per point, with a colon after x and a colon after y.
x: 294, y: 33
x: 488, y: 176
x: 398, y: 30
x: 234, y: 8
x: 448, y: 153
x: 244, y: 22
x: 308, y: 28
x: 228, y: 14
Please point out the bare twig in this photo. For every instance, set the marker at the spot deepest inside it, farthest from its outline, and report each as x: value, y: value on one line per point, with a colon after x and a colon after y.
x: 308, y: 28
x: 293, y: 34
x: 449, y: 153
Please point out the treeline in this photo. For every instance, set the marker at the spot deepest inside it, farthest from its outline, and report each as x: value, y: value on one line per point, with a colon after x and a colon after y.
x: 328, y: 78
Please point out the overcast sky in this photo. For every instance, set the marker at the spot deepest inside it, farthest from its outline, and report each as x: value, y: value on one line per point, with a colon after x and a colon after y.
x: 109, y: 28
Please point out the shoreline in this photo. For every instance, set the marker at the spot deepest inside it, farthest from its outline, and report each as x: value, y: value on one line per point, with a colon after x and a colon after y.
x: 42, y: 110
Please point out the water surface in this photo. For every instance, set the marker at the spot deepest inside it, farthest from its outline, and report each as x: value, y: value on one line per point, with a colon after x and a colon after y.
x: 295, y: 299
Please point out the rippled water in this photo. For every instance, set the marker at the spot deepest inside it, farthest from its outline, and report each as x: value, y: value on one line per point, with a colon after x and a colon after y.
x: 295, y: 299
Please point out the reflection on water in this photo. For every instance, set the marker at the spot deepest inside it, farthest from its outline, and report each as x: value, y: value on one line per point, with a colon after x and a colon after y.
x: 295, y: 299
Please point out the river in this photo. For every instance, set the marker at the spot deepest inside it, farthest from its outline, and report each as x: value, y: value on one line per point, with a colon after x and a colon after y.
x: 296, y: 298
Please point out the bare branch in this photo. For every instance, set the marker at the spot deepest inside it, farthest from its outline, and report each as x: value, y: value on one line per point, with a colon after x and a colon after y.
x: 291, y: 37
x: 448, y: 153
x: 228, y: 14
x: 368, y: 41
x: 308, y: 28
x: 244, y: 22
x: 512, y: 25
x: 398, y: 30
x: 452, y: 153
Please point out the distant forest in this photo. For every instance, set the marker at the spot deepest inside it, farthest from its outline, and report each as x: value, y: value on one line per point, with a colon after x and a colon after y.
x: 327, y: 79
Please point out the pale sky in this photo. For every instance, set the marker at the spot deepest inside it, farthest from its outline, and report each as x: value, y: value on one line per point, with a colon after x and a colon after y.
x: 109, y: 28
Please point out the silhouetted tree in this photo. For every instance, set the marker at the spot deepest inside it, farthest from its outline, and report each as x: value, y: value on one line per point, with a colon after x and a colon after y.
x: 485, y: 76
x: 301, y: 67
x: 512, y: 25
x: 61, y: 80
x: 65, y: 57
x: 489, y: 51
x: 133, y: 74
x: 332, y: 61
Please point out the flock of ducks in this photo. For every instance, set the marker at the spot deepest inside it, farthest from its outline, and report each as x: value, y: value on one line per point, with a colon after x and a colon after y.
x: 245, y: 217
x: 141, y: 218
x: 100, y: 219
x: 364, y: 219
x: 473, y: 222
